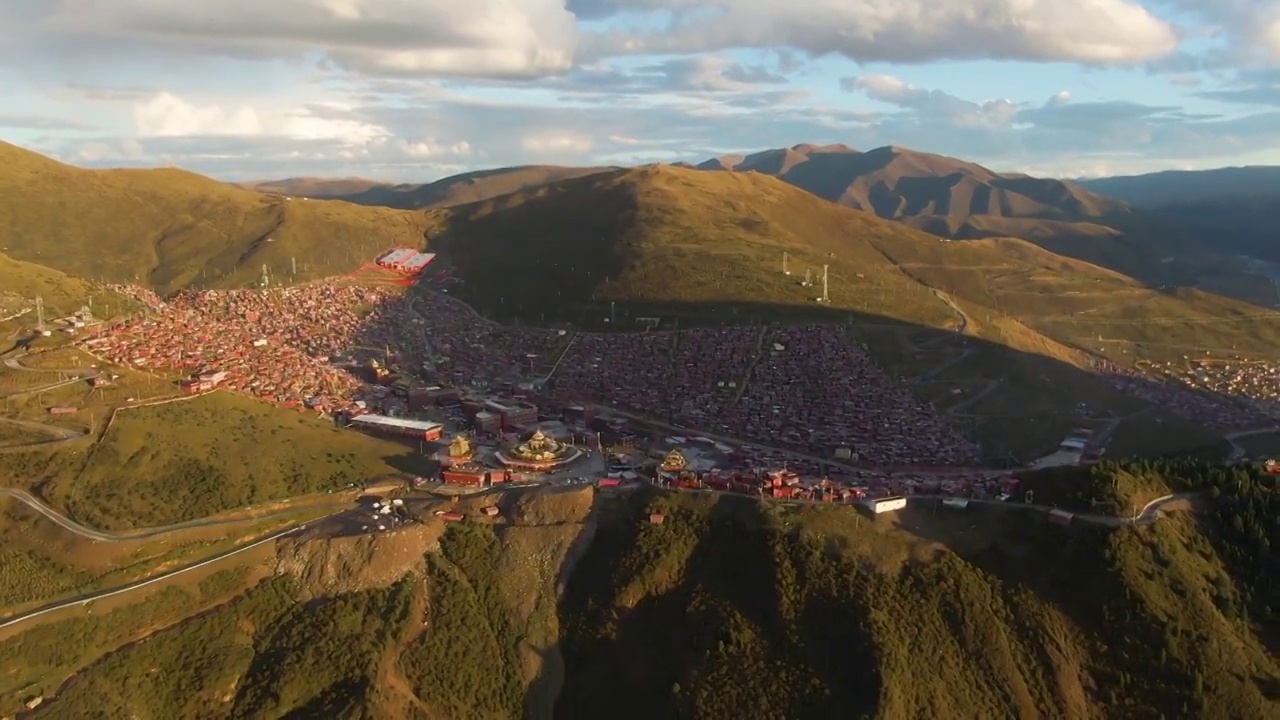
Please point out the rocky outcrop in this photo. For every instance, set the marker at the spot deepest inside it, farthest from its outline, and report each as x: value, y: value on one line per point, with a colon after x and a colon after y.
x: 333, y: 565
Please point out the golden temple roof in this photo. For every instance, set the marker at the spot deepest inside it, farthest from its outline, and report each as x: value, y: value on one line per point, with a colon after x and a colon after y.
x: 460, y: 447
x: 674, y: 461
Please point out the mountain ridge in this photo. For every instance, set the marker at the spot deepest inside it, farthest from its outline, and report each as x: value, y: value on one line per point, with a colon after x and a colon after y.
x: 171, y: 228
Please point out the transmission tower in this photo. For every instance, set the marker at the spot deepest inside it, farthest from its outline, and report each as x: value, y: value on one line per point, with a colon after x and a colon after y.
x: 808, y: 278
x: 294, y: 262
x: 39, y: 314
x: 266, y: 278
x: 825, y: 297
x: 785, y: 270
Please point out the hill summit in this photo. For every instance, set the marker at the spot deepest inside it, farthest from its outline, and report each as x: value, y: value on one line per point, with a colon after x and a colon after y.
x: 170, y: 228
x: 935, y: 193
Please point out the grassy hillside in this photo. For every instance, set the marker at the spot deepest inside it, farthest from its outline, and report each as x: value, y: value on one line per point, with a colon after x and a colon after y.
x: 732, y: 609
x: 310, y: 187
x: 670, y: 237
x: 191, y: 459
x: 956, y: 199
x: 725, y: 610
x: 22, y: 282
x: 468, y: 187
x: 453, y: 190
x: 170, y: 228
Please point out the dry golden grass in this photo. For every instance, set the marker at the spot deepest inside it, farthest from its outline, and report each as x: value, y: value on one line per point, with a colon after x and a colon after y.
x: 170, y: 228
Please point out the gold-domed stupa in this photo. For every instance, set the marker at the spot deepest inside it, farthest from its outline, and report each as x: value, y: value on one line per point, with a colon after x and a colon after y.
x: 539, y: 448
x: 458, y: 453
x: 539, y: 453
x: 460, y: 448
x: 674, y: 462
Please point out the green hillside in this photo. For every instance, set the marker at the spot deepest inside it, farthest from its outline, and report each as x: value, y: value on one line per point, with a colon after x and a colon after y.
x: 22, y: 282
x: 169, y: 228
x: 671, y: 238
x: 727, y: 609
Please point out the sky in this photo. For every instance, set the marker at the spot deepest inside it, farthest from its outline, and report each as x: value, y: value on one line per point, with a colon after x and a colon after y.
x: 414, y: 90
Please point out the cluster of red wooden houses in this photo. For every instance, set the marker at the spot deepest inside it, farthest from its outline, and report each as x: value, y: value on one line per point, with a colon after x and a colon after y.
x: 785, y: 484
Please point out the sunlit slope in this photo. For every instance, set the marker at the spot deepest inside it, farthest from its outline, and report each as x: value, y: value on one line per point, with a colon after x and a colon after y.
x: 170, y: 228
x: 669, y: 236
x: 672, y: 236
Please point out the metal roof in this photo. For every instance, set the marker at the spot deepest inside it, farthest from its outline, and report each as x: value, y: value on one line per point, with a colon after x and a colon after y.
x: 385, y: 421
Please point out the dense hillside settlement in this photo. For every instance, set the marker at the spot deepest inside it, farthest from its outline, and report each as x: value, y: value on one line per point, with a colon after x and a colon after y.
x: 360, y: 495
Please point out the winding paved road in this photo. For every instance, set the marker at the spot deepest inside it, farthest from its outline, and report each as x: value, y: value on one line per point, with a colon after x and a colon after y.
x: 14, y: 364
x: 72, y: 526
x: 1148, y: 514
x: 91, y: 597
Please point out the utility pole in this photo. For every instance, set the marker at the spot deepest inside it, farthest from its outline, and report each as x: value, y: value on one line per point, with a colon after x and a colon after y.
x: 294, y: 262
x: 785, y: 269
x: 40, y: 314
x: 825, y: 297
x: 266, y: 278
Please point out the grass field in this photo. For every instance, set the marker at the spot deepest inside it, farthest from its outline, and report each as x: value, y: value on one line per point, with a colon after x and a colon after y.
x: 41, y: 658
x: 41, y: 562
x: 53, y: 378
x: 190, y: 459
x: 170, y: 228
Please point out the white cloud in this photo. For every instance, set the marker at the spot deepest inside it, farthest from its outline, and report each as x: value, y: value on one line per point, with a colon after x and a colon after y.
x: 1248, y: 31
x: 412, y: 37
x: 932, y: 104
x: 1086, y: 31
x: 430, y: 149
x: 555, y: 143
x: 410, y: 89
x: 167, y: 115
x: 1271, y: 35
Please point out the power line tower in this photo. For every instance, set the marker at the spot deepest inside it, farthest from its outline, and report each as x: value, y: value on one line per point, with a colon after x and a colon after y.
x: 40, y: 314
x: 266, y: 278
x: 785, y: 270
x: 808, y: 277
x: 825, y: 298
x: 294, y: 262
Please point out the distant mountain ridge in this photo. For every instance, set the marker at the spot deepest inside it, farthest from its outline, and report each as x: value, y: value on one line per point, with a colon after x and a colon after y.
x: 454, y: 190
x: 1189, y: 186
x: 317, y: 188
x: 961, y: 200
x: 943, y: 195
x: 1237, y: 209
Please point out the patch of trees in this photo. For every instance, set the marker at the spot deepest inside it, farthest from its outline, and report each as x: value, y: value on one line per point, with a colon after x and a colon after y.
x: 464, y: 662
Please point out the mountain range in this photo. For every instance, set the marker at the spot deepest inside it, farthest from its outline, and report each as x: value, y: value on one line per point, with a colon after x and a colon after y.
x: 946, y: 197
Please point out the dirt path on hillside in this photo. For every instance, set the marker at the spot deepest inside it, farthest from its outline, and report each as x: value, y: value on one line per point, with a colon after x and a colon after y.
x: 957, y: 410
x: 60, y: 435
x: 389, y: 675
